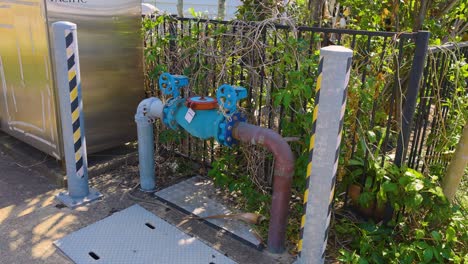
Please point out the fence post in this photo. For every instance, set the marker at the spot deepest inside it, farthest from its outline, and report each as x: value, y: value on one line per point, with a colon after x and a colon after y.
x: 67, y: 72
x: 414, y: 83
x: 324, y: 149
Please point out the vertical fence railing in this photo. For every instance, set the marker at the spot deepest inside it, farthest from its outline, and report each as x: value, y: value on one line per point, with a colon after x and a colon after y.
x: 437, y: 103
x: 399, y: 90
x: 414, y: 83
x: 253, y: 55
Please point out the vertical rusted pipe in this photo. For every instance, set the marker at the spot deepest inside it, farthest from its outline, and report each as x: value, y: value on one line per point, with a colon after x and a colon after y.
x: 282, y: 178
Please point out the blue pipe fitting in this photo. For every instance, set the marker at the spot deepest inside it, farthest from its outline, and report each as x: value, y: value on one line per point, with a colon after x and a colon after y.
x: 171, y: 84
x: 224, y: 135
x: 228, y: 96
x: 169, y: 112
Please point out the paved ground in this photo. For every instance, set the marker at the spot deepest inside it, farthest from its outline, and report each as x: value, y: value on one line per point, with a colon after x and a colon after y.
x: 31, y: 219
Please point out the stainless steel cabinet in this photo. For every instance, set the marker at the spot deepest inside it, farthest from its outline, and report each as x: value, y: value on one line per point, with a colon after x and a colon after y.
x: 111, y: 60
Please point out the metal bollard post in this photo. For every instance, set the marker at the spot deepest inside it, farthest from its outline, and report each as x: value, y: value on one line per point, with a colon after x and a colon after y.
x: 334, y: 69
x: 67, y: 72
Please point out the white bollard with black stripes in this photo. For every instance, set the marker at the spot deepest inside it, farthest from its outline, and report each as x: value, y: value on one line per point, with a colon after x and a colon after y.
x: 67, y: 72
x: 324, y: 149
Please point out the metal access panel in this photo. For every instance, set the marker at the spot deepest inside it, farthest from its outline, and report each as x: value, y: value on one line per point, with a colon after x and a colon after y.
x: 197, y: 195
x: 135, y: 235
x: 111, y: 61
x: 27, y: 96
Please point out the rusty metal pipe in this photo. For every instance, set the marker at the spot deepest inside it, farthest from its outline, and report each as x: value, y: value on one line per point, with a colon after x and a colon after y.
x: 282, y: 178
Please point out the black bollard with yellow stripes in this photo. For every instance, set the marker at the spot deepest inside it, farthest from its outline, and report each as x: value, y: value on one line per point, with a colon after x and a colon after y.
x: 324, y: 149
x: 68, y: 82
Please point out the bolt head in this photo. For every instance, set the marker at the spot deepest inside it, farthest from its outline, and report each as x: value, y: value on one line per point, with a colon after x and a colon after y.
x: 229, y: 139
x: 229, y: 127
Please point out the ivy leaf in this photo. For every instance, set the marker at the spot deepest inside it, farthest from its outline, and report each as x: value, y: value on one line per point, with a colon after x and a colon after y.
x: 390, y: 187
x: 415, y: 185
x: 446, y: 253
x: 363, y: 261
x: 419, y: 233
x: 436, y: 235
x: 413, y: 202
x: 450, y: 234
x: 418, y: 185
x: 437, y: 191
x: 422, y: 244
x: 404, y: 180
x: 278, y: 99
x: 428, y: 254
x: 286, y: 99
x: 413, y: 173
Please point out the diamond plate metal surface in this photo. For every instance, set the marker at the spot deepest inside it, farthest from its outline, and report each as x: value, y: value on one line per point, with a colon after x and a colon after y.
x: 135, y: 235
x: 198, y: 196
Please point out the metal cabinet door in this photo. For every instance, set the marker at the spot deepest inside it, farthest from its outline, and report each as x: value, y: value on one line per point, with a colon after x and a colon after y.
x: 27, y: 101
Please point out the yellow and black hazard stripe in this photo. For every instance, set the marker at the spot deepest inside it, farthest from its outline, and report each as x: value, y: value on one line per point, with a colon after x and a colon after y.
x: 74, y: 101
x: 337, y: 156
x: 311, y: 151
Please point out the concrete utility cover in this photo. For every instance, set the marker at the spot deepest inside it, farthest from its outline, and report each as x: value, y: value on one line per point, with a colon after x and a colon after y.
x: 135, y: 235
x: 198, y: 196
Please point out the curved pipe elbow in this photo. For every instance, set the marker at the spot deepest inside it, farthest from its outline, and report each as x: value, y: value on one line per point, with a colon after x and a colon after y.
x: 150, y: 108
x: 282, y: 178
x: 274, y: 142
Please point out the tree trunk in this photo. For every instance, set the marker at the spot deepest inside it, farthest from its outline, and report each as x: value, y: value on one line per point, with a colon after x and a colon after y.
x: 180, y: 8
x: 316, y: 7
x: 221, y: 9
x: 457, y: 166
x: 421, y: 15
x: 446, y: 8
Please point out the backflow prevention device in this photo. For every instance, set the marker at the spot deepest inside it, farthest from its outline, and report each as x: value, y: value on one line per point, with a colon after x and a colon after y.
x: 201, y: 116
x: 207, y: 117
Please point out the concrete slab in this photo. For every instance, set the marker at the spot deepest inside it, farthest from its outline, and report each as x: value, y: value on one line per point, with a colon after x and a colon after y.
x: 134, y: 235
x: 197, y: 195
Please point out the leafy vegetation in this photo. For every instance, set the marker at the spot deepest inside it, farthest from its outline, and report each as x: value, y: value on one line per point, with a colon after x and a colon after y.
x: 428, y: 229
x: 279, y: 68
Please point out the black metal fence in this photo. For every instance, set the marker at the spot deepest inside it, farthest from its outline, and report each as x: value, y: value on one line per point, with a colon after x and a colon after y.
x: 439, y: 116
x: 277, y: 64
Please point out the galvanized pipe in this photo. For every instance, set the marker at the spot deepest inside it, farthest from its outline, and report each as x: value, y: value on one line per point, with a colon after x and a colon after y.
x: 282, y: 178
x: 148, y: 110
